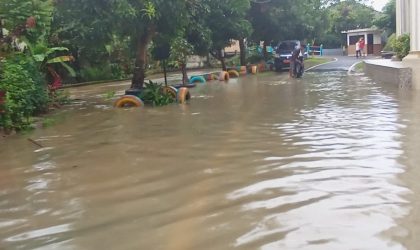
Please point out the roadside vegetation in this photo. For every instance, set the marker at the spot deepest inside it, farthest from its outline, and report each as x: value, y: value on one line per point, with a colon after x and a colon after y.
x: 312, y: 61
x: 46, y: 43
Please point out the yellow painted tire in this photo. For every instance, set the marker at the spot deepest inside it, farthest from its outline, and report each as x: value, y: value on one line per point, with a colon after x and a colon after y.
x: 254, y: 69
x: 128, y: 101
x: 233, y: 73
x: 172, y: 91
x: 183, y: 95
x: 224, y: 76
x: 210, y: 77
x: 195, y: 79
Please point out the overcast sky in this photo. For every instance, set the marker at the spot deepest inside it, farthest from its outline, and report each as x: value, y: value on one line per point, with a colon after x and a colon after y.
x: 378, y: 4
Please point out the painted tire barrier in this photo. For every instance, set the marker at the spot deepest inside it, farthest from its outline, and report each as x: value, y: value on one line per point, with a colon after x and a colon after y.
x: 254, y: 69
x: 261, y: 67
x: 224, y: 76
x: 172, y: 91
x: 233, y: 73
x: 210, y: 77
x: 242, y: 70
x: 128, y: 101
x: 180, y: 85
x: 183, y: 95
x: 195, y: 79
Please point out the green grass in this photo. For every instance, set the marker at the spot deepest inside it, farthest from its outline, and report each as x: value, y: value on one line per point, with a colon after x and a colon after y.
x: 313, y: 61
x: 109, y: 94
x: 359, y: 67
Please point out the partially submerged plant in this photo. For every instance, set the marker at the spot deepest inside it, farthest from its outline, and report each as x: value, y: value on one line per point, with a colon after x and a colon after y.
x: 153, y: 94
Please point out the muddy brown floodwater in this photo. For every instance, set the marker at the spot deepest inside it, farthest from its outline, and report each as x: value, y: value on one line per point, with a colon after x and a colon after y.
x: 330, y: 161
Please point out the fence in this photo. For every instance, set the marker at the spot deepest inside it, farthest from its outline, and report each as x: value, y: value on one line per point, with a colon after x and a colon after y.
x: 315, y: 50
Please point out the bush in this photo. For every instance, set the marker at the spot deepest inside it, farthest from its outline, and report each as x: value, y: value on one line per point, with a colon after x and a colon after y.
x: 26, y: 93
x: 152, y: 94
x: 402, y: 46
x: 390, y: 43
x: 97, y: 73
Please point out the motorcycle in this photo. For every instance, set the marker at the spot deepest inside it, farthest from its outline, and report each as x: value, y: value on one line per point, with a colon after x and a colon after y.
x: 298, y: 67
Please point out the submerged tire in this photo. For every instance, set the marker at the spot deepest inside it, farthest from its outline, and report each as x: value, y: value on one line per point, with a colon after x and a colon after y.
x: 243, y: 70
x: 172, y: 91
x: 224, y: 76
x: 183, y: 95
x: 233, y: 73
x: 210, y: 77
x: 254, y: 69
x: 128, y: 101
x: 195, y: 79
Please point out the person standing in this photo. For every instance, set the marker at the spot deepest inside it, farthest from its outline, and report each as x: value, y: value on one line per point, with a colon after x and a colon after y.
x: 357, y: 48
x: 362, y: 46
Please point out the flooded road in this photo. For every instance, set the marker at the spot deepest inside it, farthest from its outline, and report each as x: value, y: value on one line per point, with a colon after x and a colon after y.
x: 329, y: 161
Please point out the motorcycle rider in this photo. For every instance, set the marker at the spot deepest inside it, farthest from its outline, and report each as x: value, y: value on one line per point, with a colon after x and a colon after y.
x: 297, y: 58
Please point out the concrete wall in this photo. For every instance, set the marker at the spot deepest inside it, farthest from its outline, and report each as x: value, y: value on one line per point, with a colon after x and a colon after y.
x: 332, y: 52
x: 388, y: 72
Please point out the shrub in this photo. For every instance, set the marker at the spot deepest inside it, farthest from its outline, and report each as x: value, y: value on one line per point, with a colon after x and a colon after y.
x: 402, y: 46
x: 26, y: 93
x: 152, y: 94
x: 390, y: 43
x: 97, y: 73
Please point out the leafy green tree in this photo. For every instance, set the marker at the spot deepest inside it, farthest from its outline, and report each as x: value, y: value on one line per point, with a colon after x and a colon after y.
x: 142, y: 21
x: 180, y: 50
x: 349, y: 15
x: 86, y: 28
x: 226, y: 20
x: 96, y: 22
x: 387, y: 19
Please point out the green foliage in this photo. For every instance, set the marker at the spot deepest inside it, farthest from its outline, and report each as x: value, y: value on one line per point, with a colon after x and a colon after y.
x: 180, y: 50
x: 330, y: 40
x: 152, y: 94
x: 348, y: 15
x: 387, y: 19
x: 62, y: 97
x: 402, y: 46
x: 97, y: 73
x: 48, y: 122
x: 254, y: 56
x: 109, y: 94
x: 25, y: 93
x: 390, y: 43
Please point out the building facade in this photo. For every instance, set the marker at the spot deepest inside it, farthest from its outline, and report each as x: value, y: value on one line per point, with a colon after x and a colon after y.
x: 372, y: 38
x: 408, y: 22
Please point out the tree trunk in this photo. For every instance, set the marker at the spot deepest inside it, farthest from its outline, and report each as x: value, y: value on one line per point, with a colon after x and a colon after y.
x: 242, y: 51
x: 222, y: 60
x: 265, y: 50
x: 184, y: 74
x: 139, y: 73
x: 139, y: 68
x: 164, y: 72
x: 1, y: 31
x: 219, y: 55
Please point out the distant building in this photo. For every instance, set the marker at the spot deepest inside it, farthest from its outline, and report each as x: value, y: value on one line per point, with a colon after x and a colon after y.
x: 372, y: 37
x: 233, y: 48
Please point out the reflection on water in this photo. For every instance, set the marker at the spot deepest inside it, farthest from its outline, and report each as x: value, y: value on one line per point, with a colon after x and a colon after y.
x: 263, y: 162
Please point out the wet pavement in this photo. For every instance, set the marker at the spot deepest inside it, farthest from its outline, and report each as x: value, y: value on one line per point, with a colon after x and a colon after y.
x: 341, y: 63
